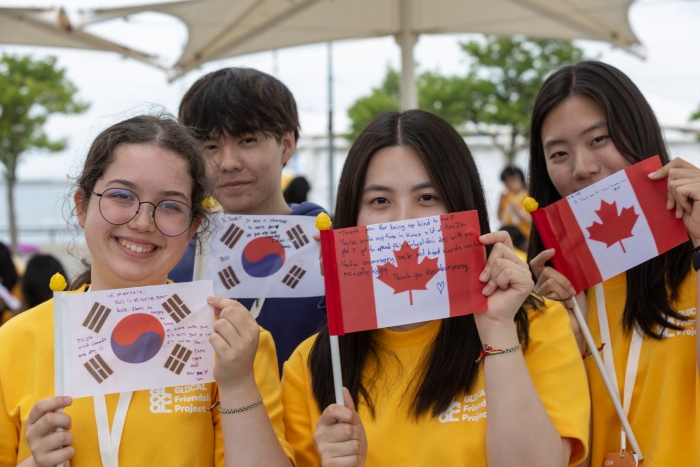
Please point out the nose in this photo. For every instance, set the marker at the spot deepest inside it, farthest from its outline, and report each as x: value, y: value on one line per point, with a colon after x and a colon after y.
x: 144, y: 220
x: 585, y: 164
x: 405, y: 211
x: 229, y: 159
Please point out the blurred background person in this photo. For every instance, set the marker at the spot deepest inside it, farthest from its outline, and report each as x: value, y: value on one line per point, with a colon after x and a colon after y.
x: 8, y: 281
x: 511, y: 209
x: 297, y: 191
x: 35, y: 282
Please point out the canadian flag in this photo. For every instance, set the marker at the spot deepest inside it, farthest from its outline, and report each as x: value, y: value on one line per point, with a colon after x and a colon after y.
x: 610, y: 226
x: 403, y: 272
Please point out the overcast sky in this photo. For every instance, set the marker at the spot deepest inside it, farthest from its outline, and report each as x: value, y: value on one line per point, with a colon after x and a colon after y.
x: 118, y: 88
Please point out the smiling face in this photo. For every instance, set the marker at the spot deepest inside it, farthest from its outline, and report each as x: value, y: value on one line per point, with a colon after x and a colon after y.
x: 398, y: 187
x: 136, y: 253
x: 246, y: 172
x: 577, y: 146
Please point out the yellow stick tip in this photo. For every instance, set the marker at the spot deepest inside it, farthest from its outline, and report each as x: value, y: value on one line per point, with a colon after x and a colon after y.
x: 323, y: 221
x: 58, y: 282
x: 531, y: 204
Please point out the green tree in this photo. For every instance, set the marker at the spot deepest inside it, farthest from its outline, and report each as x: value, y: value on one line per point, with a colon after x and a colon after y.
x: 30, y: 92
x: 494, y: 98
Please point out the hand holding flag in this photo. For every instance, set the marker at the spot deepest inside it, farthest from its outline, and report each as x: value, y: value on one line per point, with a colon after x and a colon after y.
x: 49, y: 443
x: 340, y: 434
x: 683, y: 192
x: 508, y: 284
x: 235, y: 341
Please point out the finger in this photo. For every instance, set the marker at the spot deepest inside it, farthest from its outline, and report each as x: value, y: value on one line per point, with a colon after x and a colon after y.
x: 49, y: 422
x: 47, y: 405
x: 537, y: 264
x: 497, y: 237
x: 58, y: 456
x: 317, y: 236
x: 499, y: 250
x: 335, y: 413
x: 227, y: 331
x: 219, y: 303
x: 242, y: 321
x: 552, y: 289
x: 664, y: 171
x: 341, y: 432
x: 515, y: 279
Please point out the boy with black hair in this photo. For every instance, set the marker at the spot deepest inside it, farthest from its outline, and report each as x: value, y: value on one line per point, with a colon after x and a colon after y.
x: 247, y: 121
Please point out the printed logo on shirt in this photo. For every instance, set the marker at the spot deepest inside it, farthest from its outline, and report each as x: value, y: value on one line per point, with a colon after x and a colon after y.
x: 688, y: 327
x: 189, y: 399
x: 471, y: 408
x: 160, y: 398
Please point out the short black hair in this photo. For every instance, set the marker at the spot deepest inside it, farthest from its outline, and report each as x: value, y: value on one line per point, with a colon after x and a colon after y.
x: 35, y: 283
x: 512, y: 171
x: 239, y: 101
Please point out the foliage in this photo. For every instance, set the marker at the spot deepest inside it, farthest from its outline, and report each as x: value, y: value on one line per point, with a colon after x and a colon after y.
x: 495, y: 96
x: 30, y: 92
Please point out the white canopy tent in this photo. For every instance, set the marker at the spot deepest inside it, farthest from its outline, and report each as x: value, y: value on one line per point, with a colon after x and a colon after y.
x: 225, y: 28
x: 52, y: 27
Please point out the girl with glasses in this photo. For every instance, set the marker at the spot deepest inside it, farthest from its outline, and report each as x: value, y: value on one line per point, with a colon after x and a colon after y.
x: 139, y: 201
x: 416, y: 395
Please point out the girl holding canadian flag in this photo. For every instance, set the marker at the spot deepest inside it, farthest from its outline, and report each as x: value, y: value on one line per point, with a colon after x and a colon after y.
x: 416, y: 395
x: 589, y: 122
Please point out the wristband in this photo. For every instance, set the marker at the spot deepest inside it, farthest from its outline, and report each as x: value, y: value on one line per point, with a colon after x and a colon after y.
x: 238, y: 410
x: 488, y: 350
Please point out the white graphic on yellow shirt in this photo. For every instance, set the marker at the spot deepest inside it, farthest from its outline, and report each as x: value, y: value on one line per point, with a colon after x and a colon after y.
x: 188, y: 399
x: 688, y: 326
x: 159, y: 399
x: 472, y: 409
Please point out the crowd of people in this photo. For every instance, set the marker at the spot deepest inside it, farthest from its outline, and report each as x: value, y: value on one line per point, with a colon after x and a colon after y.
x: 415, y: 395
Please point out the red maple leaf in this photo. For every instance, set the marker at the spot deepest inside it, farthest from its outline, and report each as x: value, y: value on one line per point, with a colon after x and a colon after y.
x: 614, y: 228
x: 408, y: 274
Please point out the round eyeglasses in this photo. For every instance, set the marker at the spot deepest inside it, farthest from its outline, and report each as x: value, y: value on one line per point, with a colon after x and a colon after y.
x: 119, y: 206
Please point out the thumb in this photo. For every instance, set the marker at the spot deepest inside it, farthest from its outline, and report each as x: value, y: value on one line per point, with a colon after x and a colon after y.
x: 351, y: 405
x: 537, y: 264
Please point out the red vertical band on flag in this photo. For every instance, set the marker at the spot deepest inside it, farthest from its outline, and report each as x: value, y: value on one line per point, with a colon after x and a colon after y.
x: 356, y: 285
x: 652, y: 195
x: 464, y: 261
x: 334, y: 311
x: 559, y: 229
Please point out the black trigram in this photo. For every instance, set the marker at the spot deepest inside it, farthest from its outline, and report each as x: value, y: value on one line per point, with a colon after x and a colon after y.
x: 177, y: 359
x: 98, y: 368
x: 232, y: 235
x: 176, y: 309
x: 297, y: 236
x: 228, y: 278
x: 97, y: 316
x: 293, y: 276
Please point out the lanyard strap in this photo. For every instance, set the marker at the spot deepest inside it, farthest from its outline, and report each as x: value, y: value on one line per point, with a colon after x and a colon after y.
x: 256, y: 307
x: 632, y: 358
x: 109, y: 442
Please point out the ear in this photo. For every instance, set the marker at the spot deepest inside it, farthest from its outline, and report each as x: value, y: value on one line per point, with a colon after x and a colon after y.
x: 81, y: 203
x: 289, y: 146
x: 194, y: 227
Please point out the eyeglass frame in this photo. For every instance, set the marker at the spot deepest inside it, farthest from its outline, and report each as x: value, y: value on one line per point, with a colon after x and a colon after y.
x: 138, y: 210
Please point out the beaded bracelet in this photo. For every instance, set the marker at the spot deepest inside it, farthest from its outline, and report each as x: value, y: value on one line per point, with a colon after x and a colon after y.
x: 238, y: 410
x: 488, y: 350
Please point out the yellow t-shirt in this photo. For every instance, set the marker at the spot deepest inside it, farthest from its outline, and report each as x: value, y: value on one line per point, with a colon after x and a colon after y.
x: 663, y: 408
x: 458, y: 436
x: 511, y: 211
x: 166, y: 426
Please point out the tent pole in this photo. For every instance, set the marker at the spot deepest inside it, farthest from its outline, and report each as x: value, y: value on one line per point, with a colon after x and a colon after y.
x: 406, y: 40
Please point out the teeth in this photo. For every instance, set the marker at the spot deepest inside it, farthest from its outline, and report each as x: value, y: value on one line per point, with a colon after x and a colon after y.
x: 136, y: 248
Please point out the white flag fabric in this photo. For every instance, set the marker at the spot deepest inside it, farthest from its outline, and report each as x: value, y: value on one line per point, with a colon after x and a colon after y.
x: 123, y: 340
x: 263, y: 257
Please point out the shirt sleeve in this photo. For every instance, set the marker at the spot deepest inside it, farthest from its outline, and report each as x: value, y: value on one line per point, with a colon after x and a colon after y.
x: 9, y: 427
x: 559, y: 375
x: 299, y: 417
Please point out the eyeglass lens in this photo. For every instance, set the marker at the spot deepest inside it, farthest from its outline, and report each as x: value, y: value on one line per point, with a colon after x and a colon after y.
x: 118, y: 206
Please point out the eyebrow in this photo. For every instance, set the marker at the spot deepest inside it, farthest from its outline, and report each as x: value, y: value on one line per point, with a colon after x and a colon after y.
x: 386, y: 189
x: 593, y: 127
x: 133, y: 186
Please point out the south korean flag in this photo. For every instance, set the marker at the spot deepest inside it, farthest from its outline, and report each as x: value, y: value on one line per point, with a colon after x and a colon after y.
x: 262, y: 257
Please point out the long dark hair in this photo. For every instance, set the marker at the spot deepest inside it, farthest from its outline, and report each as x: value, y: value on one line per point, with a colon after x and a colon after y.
x: 653, y: 286
x: 449, y: 367
x: 162, y: 131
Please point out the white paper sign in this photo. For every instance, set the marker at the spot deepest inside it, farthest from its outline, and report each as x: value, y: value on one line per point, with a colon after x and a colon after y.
x: 264, y: 257
x: 133, y: 339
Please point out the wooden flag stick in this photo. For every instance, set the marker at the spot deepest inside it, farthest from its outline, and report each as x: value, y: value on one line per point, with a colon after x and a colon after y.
x: 608, y: 384
x: 337, y: 374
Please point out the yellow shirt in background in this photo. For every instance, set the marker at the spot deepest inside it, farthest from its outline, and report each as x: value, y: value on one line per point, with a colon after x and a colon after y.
x: 664, y: 400
x: 458, y: 436
x: 511, y: 211
x: 166, y: 426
